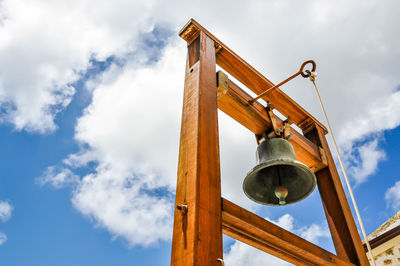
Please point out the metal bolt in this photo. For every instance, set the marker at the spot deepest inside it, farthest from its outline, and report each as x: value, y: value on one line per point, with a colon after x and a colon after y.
x: 183, y: 208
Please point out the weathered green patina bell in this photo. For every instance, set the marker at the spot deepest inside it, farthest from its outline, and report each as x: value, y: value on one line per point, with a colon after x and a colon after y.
x: 278, y: 178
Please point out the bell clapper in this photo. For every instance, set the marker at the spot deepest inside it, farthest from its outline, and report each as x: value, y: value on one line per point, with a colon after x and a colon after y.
x: 281, y: 192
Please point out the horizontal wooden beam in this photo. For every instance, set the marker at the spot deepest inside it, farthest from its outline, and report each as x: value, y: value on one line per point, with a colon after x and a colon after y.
x: 266, y: 236
x: 233, y: 101
x: 252, y: 79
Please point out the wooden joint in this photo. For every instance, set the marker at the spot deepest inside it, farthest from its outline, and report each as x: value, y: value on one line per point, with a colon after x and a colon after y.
x: 189, y: 33
x: 323, y: 156
x: 201, y: 227
x: 306, y: 125
x: 217, y: 47
x: 222, y: 84
x: 323, y: 163
x: 233, y: 101
x: 248, y: 76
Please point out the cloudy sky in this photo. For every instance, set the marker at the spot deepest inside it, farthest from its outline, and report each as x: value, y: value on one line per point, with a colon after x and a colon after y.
x: 90, y: 108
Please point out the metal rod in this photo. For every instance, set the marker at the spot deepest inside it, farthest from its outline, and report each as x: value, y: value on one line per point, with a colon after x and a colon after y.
x: 305, y: 75
x: 274, y: 87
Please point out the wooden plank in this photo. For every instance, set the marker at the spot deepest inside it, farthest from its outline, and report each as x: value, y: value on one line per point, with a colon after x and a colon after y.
x: 252, y: 79
x: 197, y: 235
x: 343, y: 229
x: 262, y: 234
x: 233, y: 101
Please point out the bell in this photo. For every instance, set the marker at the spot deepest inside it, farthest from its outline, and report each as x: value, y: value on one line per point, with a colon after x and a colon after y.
x: 278, y: 178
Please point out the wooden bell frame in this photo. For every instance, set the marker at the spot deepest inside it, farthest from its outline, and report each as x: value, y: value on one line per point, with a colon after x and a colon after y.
x: 202, y: 216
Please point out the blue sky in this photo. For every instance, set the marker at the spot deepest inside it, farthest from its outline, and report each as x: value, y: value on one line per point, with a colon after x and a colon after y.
x: 90, y: 109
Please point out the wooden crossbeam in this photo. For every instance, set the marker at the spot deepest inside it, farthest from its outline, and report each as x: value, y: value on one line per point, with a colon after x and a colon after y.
x: 252, y: 79
x: 255, y: 231
x: 234, y: 101
x: 201, y: 214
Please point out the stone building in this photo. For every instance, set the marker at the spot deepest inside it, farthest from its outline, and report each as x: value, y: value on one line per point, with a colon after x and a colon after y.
x: 385, y: 242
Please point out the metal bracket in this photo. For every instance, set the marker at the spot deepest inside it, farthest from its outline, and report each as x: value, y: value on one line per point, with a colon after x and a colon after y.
x: 284, y: 131
x: 287, y: 129
x: 271, y: 116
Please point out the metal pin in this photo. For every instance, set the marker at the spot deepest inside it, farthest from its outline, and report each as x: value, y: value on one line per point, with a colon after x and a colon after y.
x: 183, y: 208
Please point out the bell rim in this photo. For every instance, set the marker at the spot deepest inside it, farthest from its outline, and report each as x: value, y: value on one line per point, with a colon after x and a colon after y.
x: 280, y: 162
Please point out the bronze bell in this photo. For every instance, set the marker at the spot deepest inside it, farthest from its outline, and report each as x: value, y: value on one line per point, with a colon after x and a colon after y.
x: 278, y: 178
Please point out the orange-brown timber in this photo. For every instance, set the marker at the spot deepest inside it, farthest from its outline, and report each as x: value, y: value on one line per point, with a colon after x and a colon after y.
x: 197, y: 236
x: 341, y: 223
x: 250, y: 77
x: 233, y: 101
x: 262, y: 234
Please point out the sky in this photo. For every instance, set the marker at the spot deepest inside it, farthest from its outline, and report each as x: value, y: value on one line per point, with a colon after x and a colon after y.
x: 90, y: 108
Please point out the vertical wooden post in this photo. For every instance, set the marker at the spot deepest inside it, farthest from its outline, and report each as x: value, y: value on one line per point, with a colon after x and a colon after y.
x: 197, y: 236
x: 343, y: 229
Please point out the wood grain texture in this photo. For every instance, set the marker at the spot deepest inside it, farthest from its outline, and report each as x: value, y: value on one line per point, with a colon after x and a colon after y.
x: 197, y: 236
x: 250, y: 77
x: 341, y: 223
x: 233, y: 101
x: 266, y: 236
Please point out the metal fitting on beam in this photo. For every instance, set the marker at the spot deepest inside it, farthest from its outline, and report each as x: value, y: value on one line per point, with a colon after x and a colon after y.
x: 183, y: 208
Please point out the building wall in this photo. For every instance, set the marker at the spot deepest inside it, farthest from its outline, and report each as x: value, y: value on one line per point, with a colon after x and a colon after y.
x: 388, y: 253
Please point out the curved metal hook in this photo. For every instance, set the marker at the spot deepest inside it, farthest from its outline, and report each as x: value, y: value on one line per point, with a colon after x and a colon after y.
x: 301, y: 71
x: 308, y: 72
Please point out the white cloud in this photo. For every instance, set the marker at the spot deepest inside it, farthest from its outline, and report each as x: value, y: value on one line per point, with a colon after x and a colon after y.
x: 381, y: 114
x: 242, y: 254
x: 131, y: 186
x: 285, y: 221
x: 370, y: 155
x: 130, y: 130
x: 123, y: 205
x: 58, y: 178
x: 40, y: 60
x: 314, y: 232
x: 5, y: 215
x: 131, y: 121
x: 392, y: 196
x: 5, y: 211
x: 3, y: 238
